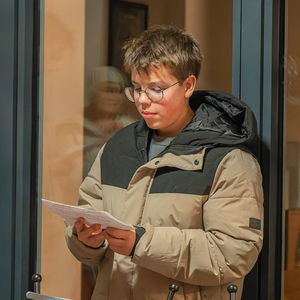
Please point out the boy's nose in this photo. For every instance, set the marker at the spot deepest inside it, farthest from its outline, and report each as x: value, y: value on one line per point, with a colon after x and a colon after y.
x: 144, y: 98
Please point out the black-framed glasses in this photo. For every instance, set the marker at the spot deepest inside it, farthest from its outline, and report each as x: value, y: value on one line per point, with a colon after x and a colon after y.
x: 153, y: 92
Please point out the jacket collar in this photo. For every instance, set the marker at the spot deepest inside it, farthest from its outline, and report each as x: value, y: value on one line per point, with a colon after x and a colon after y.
x: 220, y: 120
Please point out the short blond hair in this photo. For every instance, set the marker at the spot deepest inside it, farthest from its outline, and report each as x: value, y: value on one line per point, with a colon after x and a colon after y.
x: 166, y: 45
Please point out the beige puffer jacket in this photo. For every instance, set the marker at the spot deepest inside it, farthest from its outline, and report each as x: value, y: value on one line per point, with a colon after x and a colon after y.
x: 200, y: 201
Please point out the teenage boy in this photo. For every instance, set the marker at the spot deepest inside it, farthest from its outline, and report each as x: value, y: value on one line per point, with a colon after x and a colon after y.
x: 183, y: 176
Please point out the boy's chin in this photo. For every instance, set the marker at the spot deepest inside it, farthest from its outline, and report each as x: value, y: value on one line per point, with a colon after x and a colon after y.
x: 151, y: 125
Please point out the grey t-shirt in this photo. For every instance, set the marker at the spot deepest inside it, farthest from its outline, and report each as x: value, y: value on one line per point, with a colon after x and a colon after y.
x: 158, y: 144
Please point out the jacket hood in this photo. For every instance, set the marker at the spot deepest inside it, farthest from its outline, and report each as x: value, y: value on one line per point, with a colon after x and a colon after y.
x: 220, y: 120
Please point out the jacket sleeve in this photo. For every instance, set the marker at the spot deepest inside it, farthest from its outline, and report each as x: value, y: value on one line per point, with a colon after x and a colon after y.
x: 90, y: 197
x: 228, y: 246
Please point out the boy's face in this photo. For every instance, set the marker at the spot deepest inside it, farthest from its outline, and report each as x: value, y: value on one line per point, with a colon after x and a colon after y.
x: 170, y: 115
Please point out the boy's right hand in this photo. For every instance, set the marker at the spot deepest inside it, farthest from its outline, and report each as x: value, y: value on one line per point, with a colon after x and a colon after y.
x: 91, y: 236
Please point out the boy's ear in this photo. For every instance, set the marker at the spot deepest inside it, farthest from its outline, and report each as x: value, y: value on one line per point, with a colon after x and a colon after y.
x: 190, y: 84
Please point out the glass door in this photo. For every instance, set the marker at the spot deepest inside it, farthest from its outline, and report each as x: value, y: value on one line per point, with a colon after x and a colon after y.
x: 84, y: 103
x: 292, y: 147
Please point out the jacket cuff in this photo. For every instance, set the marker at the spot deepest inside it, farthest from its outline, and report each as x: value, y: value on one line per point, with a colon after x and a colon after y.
x: 139, y: 231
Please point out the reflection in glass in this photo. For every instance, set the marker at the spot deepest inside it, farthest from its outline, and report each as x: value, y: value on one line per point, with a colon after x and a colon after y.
x: 104, y: 115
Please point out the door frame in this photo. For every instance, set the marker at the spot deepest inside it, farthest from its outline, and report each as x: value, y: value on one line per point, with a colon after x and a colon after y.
x: 258, y: 33
x: 258, y: 79
x: 19, y: 23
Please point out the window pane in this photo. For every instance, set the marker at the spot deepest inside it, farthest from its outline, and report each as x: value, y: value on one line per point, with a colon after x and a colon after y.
x: 62, y: 139
x: 84, y: 103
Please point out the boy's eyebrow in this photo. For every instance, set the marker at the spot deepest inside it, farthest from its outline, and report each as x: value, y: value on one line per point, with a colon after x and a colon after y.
x: 151, y: 83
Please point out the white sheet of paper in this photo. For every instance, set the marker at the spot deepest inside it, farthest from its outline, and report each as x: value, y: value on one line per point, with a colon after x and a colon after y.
x: 72, y: 213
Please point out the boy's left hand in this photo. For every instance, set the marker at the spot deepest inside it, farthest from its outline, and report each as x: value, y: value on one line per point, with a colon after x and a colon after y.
x: 120, y: 241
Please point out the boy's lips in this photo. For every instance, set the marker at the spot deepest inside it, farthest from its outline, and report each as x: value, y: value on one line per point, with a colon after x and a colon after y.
x: 148, y: 114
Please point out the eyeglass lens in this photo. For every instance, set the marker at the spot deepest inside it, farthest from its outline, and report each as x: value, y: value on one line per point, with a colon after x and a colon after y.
x: 154, y: 93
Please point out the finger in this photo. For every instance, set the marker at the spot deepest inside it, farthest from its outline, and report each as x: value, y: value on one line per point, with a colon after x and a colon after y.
x: 117, y: 232
x: 95, y: 241
x: 79, y: 225
x: 126, y: 242
x: 108, y: 236
x: 90, y: 231
x: 95, y: 237
x: 97, y: 229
